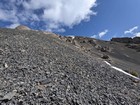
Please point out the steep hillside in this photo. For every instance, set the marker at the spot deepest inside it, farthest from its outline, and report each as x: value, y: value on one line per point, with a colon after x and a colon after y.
x: 38, y: 68
x: 120, y: 52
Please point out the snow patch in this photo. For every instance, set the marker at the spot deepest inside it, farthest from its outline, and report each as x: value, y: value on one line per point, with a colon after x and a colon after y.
x: 120, y: 70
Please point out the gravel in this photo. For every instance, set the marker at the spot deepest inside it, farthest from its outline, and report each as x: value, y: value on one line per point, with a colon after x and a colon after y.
x: 39, y: 69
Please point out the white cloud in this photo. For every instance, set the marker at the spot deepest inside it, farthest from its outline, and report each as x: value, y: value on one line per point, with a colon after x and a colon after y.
x: 9, y: 16
x: 137, y: 34
x: 55, y: 14
x: 131, y: 31
x: 94, y: 36
x: 13, y: 25
x: 101, y: 34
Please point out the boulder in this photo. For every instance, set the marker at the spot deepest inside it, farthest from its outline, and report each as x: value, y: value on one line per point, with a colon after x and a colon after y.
x: 104, y: 56
x: 102, y: 48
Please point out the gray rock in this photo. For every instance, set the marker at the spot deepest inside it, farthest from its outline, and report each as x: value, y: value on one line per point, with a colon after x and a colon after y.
x: 105, y: 56
x: 9, y: 95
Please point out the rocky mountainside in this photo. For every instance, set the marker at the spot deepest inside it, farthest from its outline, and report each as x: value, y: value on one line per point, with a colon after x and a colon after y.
x: 120, y: 52
x: 40, y: 68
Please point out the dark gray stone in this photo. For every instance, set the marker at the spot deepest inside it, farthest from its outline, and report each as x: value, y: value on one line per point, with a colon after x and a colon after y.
x: 9, y: 96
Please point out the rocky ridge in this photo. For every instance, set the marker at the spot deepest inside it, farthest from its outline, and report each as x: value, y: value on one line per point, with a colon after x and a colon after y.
x: 135, y: 40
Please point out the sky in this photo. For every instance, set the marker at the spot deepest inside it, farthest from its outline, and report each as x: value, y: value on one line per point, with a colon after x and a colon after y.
x: 101, y: 19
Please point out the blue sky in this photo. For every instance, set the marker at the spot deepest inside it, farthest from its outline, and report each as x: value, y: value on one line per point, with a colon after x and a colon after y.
x: 102, y: 19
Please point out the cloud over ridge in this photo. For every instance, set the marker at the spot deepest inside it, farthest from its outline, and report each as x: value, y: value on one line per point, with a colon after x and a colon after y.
x: 100, y: 34
x: 53, y: 15
x: 131, y: 31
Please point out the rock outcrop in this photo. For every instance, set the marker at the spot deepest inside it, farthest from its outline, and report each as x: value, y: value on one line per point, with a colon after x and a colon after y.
x: 123, y: 40
x: 22, y: 27
x: 135, y: 40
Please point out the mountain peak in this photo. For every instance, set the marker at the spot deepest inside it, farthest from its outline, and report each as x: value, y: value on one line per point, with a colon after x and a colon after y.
x: 22, y: 27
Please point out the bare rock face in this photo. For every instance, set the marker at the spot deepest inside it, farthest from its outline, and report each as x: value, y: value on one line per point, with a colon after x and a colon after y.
x: 22, y: 27
x: 122, y: 40
x: 135, y: 40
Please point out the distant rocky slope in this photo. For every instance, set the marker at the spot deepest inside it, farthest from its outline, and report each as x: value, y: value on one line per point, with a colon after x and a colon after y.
x: 135, y: 40
x: 133, y: 43
x: 41, y: 68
